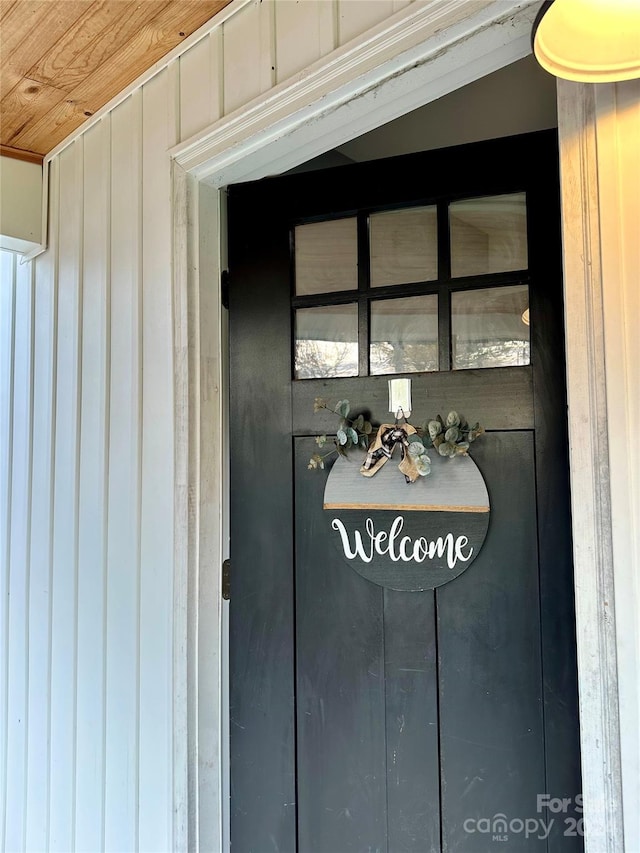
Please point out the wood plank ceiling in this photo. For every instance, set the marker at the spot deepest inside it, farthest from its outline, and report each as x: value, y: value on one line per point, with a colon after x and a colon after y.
x: 61, y: 60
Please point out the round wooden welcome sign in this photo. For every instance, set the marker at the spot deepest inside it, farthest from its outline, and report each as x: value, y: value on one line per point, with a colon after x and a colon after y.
x: 408, y: 536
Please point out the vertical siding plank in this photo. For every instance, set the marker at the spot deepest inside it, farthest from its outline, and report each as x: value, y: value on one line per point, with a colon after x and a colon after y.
x: 94, y: 412
x: 328, y: 26
x: 7, y: 297
x: 156, y: 519
x: 216, y: 63
x: 357, y: 16
x: 267, y: 54
x: 43, y: 550
x: 121, y: 736
x: 299, y: 35
x: 18, y: 627
x: 41, y: 536
x: 249, y: 61
x: 617, y: 126
x: 173, y: 98
x: 7, y: 305
x: 199, y: 86
x: 65, y: 521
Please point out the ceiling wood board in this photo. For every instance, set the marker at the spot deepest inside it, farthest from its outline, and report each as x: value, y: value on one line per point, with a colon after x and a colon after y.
x: 27, y: 32
x: 62, y: 60
x: 80, y: 51
x: 25, y: 99
x: 6, y: 7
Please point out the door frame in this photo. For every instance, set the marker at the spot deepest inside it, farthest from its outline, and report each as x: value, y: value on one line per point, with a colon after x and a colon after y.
x: 398, y: 66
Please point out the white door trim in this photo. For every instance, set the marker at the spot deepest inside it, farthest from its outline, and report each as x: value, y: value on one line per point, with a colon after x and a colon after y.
x: 583, y: 245
x: 199, y: 502
x: 419, y: 54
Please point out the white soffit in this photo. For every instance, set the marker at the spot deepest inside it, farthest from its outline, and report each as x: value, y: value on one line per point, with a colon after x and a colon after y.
x: 421, y: 53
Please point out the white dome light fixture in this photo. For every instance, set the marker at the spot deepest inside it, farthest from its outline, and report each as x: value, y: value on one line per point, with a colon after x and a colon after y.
x: 589, y: 41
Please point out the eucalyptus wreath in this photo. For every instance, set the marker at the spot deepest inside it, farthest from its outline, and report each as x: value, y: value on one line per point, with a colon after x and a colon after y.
x: 450, y: 436
x: 351, y: 432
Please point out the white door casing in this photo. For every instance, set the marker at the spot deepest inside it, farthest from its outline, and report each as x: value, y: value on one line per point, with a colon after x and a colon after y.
x: 599, y: 130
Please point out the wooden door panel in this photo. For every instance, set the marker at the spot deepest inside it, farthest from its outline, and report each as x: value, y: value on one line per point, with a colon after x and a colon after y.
x: 500, y: 398
x: 261, y: 641
x: 366, y: 696
x: 491, y: 689
x: 340, y: 687
x: 413, y: 783
x: 368, y: 674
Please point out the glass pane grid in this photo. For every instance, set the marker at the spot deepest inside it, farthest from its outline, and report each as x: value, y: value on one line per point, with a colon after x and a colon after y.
x: 480, y: 326
x: 403, y: 246
x: 403, y: 335
x: 326, y: 256
x: 488, y: 235
x: 326, y: 342
x: 490, y: 327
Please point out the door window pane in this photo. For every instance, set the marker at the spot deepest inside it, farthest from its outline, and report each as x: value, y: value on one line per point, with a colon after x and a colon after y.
x: 326, y: 342
x: 488, y: 234
x: 326, y: 256
x: 490, y: 327
x: 404, y: 335
x: 404, y: 246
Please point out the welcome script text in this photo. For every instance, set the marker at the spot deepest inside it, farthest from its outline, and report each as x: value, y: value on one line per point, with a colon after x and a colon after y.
x: 401, y: 548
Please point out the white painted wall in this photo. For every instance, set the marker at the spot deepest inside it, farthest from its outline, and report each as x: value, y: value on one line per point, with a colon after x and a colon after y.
x: 86, y: 380
x: 20, y: 205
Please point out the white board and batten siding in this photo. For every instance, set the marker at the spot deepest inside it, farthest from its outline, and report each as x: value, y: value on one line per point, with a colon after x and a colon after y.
x: 263, y: 45
x: 87, y: 500
x: 87, y: 470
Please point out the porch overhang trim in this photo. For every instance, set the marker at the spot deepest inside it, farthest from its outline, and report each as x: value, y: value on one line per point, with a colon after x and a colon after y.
x: 416, y: 56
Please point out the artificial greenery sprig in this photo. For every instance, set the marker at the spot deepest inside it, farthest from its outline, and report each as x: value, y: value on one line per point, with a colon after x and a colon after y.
x: 350, y: 433
x: 450, y: 437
